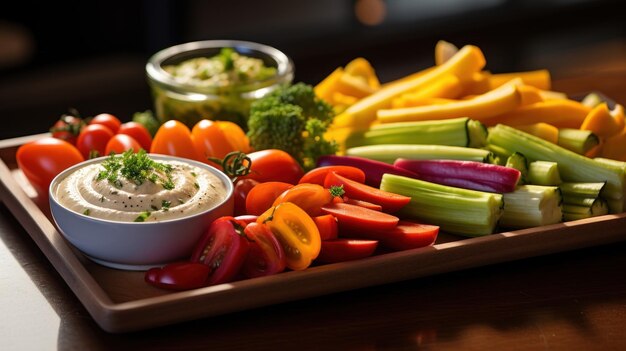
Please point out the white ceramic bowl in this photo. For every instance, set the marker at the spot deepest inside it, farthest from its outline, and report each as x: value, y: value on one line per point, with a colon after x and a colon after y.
x: 136, y: 245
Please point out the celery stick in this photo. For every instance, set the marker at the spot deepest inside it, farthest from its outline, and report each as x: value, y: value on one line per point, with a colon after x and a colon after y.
x: 531, y: 206
x: 453, y: 132
x: 501, y: 153
x: 390, y: 152
x: 599, y: 207
x: 577, y: 140
x: 572, y: 166
x: 518, y: 161
x: 455, y: 210
x: 477, y: 133
x: 582, y: 189
x: 543, y: 173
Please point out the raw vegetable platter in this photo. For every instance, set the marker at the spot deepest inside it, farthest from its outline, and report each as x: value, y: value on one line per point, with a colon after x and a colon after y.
x: 120, y: 301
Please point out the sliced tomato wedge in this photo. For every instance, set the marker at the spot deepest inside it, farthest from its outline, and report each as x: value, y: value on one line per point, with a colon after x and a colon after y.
x: 357, y: 218
x: 318, y: 175
x: 341, y: 250
x: 362, y: 203
x: 390, y: 202
x: 179, y: 276
x: 266, y: 255
x: 406, y: 235
x: 223, y: 248
x: 327, y: 225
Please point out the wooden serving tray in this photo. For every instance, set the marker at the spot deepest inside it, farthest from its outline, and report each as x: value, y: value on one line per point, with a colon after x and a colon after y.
x: 120, y: 301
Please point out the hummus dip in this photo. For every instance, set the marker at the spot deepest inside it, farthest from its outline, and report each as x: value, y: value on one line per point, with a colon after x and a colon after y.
x: 135, y: 188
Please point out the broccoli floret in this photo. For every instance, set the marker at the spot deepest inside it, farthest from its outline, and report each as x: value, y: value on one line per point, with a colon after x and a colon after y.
x: 292, y: 119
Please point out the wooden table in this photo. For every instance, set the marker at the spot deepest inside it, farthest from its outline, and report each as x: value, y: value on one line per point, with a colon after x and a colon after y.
x: 567, y: 301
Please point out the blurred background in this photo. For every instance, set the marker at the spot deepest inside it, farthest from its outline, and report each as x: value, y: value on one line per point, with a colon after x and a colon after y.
x: 90, y: 55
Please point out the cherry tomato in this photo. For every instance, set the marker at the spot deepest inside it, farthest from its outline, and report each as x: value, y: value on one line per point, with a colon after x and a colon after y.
x: 296, y: 232
x: 406, y: 235
x: 318, y: 175
x: 262, y: 196
x: 209, y: 140
x: 327, y: 226
x: 309, y: 197
x: 138, y: 132
x: 274, y: 165
x: 93, y: 140
x: 179, y: 276
x: 174, y: 138
x: 120, y: 143
x: 235, y: 135
x: 351, y: 217
x: 43, y: 159
x: 67, y: 128
x: 266, y: 255
x: 223, y: 248
x: 107, y: 120
x: 242, y: 188
x: 341, y: 250
x: 390, y: 202
x: 247, y: 219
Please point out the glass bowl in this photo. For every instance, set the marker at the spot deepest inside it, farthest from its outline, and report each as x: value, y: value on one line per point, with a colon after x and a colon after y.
x: 191, y: 103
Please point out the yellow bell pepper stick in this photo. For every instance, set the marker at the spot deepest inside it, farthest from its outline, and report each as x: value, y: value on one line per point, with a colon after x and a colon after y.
x: 360, y: 115
x: 504, y: 99
x: 539, y: 78
x: 542, y: 130
x: 601, y: 122
x: 325, y: 89
x: 559, y: 113
x: 444, y: 51
x: 448, y: 87
x: 360, y: 67
x: 529, y: 94
x: 479, y: 84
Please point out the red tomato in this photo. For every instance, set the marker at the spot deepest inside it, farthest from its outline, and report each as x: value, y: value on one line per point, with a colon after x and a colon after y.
x: 327, y: 225
x: 274, y: 165
x: 138, y: 132
x: 341, y: 250
x: 223, y: 248
x: 42, y: 160
x: 318, y: 175
x: 93, y: 140
x: 179, y: 276
x: 309, y: 197
x: 107, y: 120
x: 362, y: 203
x: 174, y: 138
x: 242, y: 188
x: 209, y: 140
x: 67, y: 128
x: 266, y: 255
x: 351, y: 217
x: 262, y: 196
x: 406, y: 235
x: 390, y: 202
x: 120, y: 143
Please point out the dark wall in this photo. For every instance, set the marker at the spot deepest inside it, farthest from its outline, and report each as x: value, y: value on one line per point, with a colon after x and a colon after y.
x: 90, y: 54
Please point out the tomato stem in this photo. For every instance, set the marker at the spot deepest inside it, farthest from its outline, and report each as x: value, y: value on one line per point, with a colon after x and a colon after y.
x: 235, y: 164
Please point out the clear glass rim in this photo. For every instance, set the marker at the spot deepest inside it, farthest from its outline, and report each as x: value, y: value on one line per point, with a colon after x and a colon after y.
x: 156, y: 74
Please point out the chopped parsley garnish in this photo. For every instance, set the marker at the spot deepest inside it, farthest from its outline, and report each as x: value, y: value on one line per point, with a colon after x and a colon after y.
x: 165, y: 205
x: 143, y: 216
x: 154, y: 207
x: 86, y: 212
x: 195, y: 184
x: 137, y: 168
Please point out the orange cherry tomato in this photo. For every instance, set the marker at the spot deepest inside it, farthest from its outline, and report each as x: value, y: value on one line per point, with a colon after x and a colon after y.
x: 107, y: 120
x: 93, y: 139
x: 273, y: 165
x: 120, y: 143
x: 262, y: 196
x: 296, y: 232
x: 309, y: 197
x: 235, y: 135
x: 209, y: 140
x: 174, y: 138
x: 138, y: 132
x: 42, y: 160
x: 327, y: 225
